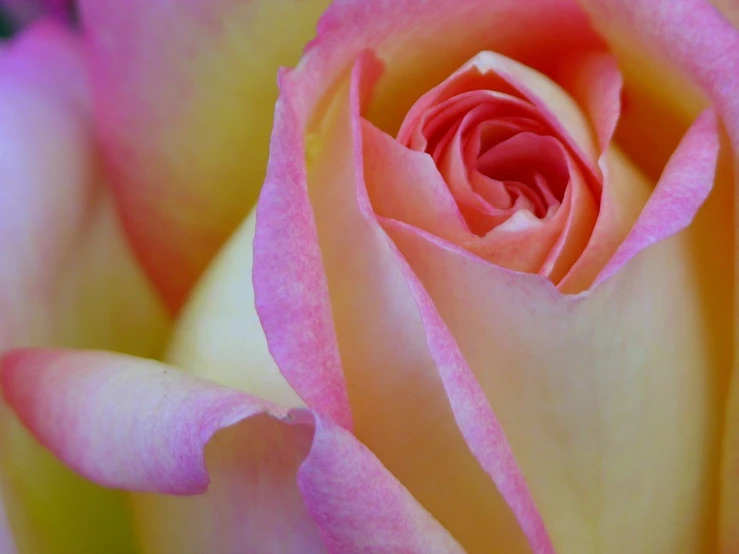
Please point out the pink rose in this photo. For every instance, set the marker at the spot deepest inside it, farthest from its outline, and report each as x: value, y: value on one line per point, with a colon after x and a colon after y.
x: 492, y: 262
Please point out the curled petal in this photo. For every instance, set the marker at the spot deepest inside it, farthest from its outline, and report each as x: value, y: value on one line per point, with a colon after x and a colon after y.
x: 158, y: 436
x: 683, y: 188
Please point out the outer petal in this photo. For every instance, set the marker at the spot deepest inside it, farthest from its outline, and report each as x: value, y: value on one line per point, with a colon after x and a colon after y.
x: 67, y: 277
x: 411, y: 396
x: 156, y: 440
x: 218, y: 337
x: 695, y: 45
x: 184, y: 94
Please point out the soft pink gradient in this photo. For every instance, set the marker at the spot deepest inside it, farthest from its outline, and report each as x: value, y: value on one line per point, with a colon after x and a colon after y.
x: 699, y: 45
x: 142, y: 425
x: 67, y: 276
x: 519, y: 159
x: 377, y: 318
x: 42, y: 204
x: 183, y: 94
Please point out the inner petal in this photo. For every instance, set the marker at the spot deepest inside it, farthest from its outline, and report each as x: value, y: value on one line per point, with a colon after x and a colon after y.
x: 518, y: 158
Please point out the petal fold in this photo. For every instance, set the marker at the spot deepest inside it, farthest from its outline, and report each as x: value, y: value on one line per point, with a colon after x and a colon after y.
x: 410, y: 395
x: 138, y: 424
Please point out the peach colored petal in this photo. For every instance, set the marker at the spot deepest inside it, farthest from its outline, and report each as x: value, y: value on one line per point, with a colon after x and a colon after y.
x: 183, y: 94
x: 454, y: 122
x: 696, y: 45
x: 67, y: 277
x: 595, y: 82
x: 554, y: 103
x: 685, y: 184
x: 535, y: 32
x: 400, y: 373
x: 600, y: 407
x: 311, y: 479
x: 405, y: 184
x: 625, y: 193
x: 218, y: 335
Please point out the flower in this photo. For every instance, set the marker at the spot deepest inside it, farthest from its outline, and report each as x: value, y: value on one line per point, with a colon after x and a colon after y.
x: 492, y: 259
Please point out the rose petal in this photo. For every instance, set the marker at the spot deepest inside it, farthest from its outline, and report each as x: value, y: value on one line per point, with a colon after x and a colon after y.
x: 166, y: 426
x: 400, y: 380
x: 686, y: 183
x: 535, y: 32
x: 298, y: 317
x: 405, y: 184
x: 554, y: 104
x: 593, y: 403
x: 67, y: 277
x: 694, y: 44
x: 183, y: 93
x: 218, y: 334
x: 218, y: 337
x: 625, y: 193
x: 595, y: 82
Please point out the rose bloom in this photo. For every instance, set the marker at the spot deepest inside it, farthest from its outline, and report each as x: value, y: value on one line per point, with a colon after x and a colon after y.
x: 485, y: 302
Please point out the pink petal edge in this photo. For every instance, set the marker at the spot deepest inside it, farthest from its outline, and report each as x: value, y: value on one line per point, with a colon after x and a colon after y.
x: 154, y: 440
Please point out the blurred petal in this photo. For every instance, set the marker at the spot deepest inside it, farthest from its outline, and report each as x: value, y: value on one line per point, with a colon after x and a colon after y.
x: 730, y: 9
x: 22, y: 12
x: 67, y: 278
x: 184, y: 93
x: 7, y: 545
x: 165, y: 429
x: 400, y: 369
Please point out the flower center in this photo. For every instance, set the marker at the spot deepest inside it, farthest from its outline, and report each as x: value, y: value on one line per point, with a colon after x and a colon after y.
x: 498, y: 154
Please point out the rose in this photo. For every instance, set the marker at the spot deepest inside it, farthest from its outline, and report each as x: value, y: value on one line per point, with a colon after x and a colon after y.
x: 634, y: 365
